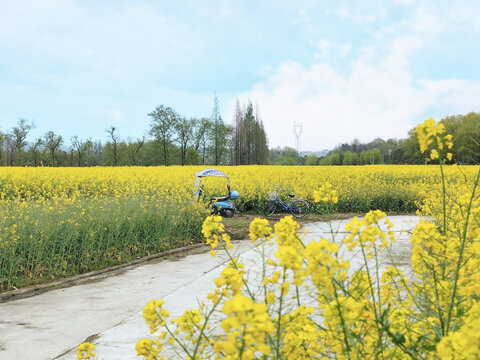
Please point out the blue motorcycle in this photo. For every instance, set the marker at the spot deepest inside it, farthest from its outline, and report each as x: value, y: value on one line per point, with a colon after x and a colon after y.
x: 220, y: 205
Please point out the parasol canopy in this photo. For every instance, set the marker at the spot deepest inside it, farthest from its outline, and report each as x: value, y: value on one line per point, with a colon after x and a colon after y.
x: 210, y: 172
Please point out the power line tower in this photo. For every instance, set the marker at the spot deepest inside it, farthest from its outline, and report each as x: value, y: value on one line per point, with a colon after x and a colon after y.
x: 297, y: 130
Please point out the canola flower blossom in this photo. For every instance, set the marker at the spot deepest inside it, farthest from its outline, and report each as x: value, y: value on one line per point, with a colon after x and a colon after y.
x: 464, y: 343
x: 326, y: 193
x: 56, y: 222
x: 431, y: 134
x: 85, y: 351
x: 253, y: 326
x: 61, y: 222
x: 312, y: 305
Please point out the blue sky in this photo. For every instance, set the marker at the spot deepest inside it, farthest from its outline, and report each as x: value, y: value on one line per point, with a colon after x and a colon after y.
x: 344, y: 69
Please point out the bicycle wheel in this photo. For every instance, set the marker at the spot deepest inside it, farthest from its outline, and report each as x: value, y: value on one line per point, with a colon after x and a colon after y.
x: 298, y: 208
x: 270, y: 208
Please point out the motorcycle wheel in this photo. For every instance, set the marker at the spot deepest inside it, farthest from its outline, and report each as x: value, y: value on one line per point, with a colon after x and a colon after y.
x: 228, y: 213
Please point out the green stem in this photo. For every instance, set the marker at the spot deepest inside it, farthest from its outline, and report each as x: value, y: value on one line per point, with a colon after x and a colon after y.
x: 377, y: 274
x: 279, y: 318
x: 204, y: 326
x: 437, y: 298
x: 264, y: 270
x: 444, y: 192
x: 460, y: 256
x: 224, y: 246
x: 342, y: 320
x: 298, y: 295
x: 240, y: 353
x: 184, y: 348
x: 250, y: 293
x: 370, y: 284
x: 372, y: 292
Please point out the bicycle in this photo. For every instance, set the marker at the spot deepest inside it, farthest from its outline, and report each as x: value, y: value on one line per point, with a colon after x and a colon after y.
x: 297, y: 207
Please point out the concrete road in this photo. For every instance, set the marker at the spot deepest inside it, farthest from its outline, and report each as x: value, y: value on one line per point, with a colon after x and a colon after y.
x: 108, y: 310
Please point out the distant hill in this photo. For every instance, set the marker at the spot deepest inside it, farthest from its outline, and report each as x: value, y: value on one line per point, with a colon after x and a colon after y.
x: 318, y: 154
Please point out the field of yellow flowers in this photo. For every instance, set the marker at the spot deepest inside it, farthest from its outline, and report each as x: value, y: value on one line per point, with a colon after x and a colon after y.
x: 309, y: 303
x: 56, y: 222
x: 360, y: 188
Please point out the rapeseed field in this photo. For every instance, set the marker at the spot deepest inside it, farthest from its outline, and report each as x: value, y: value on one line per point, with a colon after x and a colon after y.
x: 56, y: 222
x: 308, y: 302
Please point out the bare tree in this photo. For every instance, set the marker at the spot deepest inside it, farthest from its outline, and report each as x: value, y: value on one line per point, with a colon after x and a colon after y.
x: 135, y: 147
x: 115, y: 138
x: 52, y: 142
x: 2, y: 144
x: 80, y: 147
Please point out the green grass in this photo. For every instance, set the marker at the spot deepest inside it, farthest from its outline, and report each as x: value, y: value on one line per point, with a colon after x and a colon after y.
x: 42, y: 241
x: 54, y: 240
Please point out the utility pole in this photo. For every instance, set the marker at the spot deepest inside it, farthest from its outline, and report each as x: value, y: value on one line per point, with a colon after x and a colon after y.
x: 297, y: 130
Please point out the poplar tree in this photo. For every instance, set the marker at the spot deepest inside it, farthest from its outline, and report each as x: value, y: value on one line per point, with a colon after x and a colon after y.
x: 238, y: 134
x: 218, y: 135
x: 249, y: 137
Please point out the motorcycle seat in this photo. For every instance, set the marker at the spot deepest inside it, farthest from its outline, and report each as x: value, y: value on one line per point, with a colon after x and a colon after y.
x: 219, y: 198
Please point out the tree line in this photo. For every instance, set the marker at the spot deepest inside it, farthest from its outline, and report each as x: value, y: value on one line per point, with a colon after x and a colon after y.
x: 172, y: 139
x: 465, y: 130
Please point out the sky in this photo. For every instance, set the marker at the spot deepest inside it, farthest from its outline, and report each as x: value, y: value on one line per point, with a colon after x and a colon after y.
x: 343, y: 69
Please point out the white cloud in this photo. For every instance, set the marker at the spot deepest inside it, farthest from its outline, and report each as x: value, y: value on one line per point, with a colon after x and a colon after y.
x: 404, y: 2
x: 224, y: 13
x: 326, y: 48
x: 438, y: 18
x: 323, y: 47
x: 114, y: 115
x: 376, y: 99
x: 105, y: 40
x: 351, y: 13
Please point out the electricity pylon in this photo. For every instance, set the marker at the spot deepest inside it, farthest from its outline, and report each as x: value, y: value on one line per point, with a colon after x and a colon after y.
x: 297, y: 130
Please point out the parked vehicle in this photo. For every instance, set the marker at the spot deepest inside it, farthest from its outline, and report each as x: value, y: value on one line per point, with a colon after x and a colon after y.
x: 222, y: 205
x: 297, y: 207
